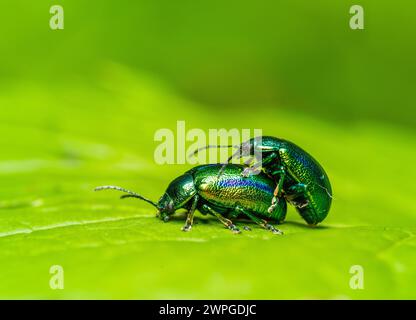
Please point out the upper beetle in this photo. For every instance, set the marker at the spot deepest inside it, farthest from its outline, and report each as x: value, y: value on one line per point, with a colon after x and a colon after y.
x: 298, y: 176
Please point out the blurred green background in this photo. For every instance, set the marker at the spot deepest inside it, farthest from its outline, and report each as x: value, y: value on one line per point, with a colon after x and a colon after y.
x: 79, y: 108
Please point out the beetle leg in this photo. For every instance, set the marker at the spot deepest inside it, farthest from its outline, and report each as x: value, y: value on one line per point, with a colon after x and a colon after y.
x: 235, y: 214
x: 249, y: 171
x: 255, y: 168
x: 263, y: 223
x: 282, y: 174
x: 279, y: 188
x: 249, y: 161
x: 190, y: 216
x: 227, y: 222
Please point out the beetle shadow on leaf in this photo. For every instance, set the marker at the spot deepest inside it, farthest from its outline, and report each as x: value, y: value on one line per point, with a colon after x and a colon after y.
x: 304, y: 225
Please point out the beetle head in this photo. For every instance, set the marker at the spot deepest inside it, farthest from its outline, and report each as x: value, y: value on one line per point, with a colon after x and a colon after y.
x: 178, y: 193
x: 165, y: 206
x: 247, y: 148
x: 260, y: 146
x: 252, y: 147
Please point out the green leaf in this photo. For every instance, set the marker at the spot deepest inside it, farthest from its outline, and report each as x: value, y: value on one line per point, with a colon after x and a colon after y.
x: 58, y: 143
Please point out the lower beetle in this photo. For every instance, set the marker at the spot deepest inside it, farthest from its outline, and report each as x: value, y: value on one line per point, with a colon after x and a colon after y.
x: 299, y: 177
x: 225, y: 196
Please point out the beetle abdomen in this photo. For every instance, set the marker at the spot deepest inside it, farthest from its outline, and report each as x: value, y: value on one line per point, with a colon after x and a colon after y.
x: 253, y: 193
x: 233, y: 190
x: 304, y: 169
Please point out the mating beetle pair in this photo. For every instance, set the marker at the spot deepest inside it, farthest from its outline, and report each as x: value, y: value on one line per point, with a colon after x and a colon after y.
x: 230, y: 191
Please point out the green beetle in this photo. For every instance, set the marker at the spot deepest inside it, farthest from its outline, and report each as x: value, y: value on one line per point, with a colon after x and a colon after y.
x: 300, y: 179
x: 226, y: 196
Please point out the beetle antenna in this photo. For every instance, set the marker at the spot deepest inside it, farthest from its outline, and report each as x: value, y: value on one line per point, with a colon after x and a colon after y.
x: 130, y: 194
x: 326, y: 190
x: 211, y: 146
x: 224, y: 165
